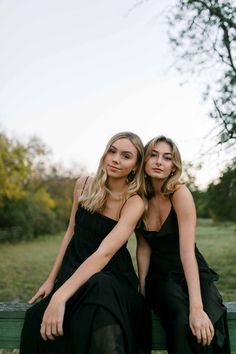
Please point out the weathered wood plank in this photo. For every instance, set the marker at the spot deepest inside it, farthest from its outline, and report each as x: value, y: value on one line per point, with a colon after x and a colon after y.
x: 12, y: 316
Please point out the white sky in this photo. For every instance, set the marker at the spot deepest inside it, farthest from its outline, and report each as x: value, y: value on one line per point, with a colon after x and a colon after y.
x: 75, y: 72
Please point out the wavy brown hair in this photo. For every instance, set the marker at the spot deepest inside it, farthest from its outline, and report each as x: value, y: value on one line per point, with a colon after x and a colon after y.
x: 173, y: 180
x: 95, y: 196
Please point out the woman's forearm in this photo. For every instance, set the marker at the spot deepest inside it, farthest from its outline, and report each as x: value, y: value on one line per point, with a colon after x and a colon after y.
x: 143, y: 261
x: 93, y: 264
x: 191, y: 272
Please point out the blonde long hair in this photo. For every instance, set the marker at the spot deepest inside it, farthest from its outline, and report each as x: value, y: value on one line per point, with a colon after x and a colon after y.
x: 173, y: 180
x: 95, y: 196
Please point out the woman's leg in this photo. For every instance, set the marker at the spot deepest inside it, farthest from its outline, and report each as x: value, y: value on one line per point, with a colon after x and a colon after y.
x: 169, y: 299
x: 94, y: 330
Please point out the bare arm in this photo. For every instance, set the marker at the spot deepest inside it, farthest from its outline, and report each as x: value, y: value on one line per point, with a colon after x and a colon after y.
x: 143, y: 253
x: 200, y: 324
x: 47, y: 286
x: 53, y: 316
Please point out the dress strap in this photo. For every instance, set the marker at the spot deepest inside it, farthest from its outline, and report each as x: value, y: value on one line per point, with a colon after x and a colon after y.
x: 86, y: 179
x: 124, y: 203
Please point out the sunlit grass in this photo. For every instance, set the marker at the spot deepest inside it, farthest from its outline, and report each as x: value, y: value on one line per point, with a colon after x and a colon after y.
x: 24, y: 266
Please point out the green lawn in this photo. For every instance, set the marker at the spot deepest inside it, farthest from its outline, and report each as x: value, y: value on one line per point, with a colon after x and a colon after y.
x: 25, y: 265
x: 218, y: 245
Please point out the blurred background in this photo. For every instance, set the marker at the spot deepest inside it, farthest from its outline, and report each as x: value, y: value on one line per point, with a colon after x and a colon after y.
x: 75, y: 72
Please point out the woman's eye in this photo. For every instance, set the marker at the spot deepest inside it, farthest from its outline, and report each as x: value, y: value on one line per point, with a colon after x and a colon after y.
x: 112, y: 151
x: 126, y: 156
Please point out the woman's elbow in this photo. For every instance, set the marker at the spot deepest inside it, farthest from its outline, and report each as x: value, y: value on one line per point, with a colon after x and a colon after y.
x: 104, y: 255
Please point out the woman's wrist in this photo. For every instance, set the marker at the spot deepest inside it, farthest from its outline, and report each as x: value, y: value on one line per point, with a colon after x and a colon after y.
x: 196, y: 307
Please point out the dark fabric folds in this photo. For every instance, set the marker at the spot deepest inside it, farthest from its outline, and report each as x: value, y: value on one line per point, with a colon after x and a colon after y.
x: 167, y: 293
x: 103, y: 316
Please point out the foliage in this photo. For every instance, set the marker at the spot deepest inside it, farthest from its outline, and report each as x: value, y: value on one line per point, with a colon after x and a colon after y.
x: 221, y: 192
x: 35, y: 197
x: 15, y: 168
x: 203, y: 37
x: 60, y: 185
x: 188, y: 175
x: 200, y: 197
x: 221, y: 195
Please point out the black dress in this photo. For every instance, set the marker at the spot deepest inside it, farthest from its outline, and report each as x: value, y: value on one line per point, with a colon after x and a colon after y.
x: 103, y: 315
x: 167, y: 293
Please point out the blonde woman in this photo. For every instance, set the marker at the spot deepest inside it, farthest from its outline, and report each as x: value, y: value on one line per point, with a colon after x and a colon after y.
x: 174, y: 276
x: 90, y: 300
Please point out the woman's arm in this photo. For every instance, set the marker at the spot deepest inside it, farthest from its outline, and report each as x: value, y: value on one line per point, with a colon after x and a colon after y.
x: 200, y: 323
x: 143, y: 253
x: 53, y: 316
x: 47, y: 286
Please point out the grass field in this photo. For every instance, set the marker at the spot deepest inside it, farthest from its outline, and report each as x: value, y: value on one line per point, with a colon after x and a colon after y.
x: 25, y: 265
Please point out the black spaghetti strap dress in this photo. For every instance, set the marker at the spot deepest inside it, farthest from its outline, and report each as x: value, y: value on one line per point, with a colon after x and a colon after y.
x: 103, y: 316
x: 167, y: 293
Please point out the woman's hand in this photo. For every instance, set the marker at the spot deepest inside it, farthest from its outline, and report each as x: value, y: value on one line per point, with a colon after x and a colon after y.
x: 43, y: 291
x: 52, y: 321
x: 201, y: 326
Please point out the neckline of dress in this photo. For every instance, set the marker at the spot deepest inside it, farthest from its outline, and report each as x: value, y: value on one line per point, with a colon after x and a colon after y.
x: 99, y: 214
x: 107, y: 217
x: 167, y: 217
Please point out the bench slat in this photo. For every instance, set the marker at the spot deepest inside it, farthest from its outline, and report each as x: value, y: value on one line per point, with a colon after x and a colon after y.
x: 12, y: 316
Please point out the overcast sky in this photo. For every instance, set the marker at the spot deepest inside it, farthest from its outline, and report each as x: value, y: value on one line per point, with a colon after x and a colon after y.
x: 75, y: 72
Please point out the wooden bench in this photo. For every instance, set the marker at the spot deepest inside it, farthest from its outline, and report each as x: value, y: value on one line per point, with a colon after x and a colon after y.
x: 12, y: 316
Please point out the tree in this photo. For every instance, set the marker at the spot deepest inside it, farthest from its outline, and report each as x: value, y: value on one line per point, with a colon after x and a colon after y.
x: 200, y: 197
x: 15, y: 167
x: 221, y: 195
x: 35, y: 196
x: 203, y: 37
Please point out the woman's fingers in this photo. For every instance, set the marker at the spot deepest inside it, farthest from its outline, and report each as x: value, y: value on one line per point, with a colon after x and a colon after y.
x: 203, y: 334
x: 43, y: 332
x: 53, y: 319
x: 51, y: 330
x: 212, y: 330
x: 209, y: 336
x: 60, y: 329
x: 35, y: 297
x: 48, y: 332
x: 201, y: 327
x: 40, y: 293
x: 54, y: 329
x: 198, y: 335
x: 204, y: 337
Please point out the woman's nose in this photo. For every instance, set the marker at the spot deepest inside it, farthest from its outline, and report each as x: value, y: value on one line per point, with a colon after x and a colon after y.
x: 115, y: 158
x: 159, y: 160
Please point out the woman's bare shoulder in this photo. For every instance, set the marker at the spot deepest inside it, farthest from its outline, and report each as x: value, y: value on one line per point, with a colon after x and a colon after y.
x: 81, y: 183
x: 181, y: 190
x: 182, y: 198
x: 135, y: 200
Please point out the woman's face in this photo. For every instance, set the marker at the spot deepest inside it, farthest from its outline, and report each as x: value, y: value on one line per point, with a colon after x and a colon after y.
x: 120, y: 159
x: 159, y: 164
